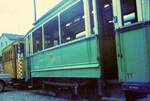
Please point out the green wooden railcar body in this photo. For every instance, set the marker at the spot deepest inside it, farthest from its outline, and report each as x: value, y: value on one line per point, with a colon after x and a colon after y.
x: 109, y: 32
x: 76, y: 59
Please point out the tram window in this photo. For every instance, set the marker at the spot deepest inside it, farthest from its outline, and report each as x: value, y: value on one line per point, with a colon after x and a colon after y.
x: 91, y: 15
x: 20, y: 50
x: 129, y: 11
x: 21, y: 47
x: 72, y: 23
x: 37, y: 40
x: 51, y: 33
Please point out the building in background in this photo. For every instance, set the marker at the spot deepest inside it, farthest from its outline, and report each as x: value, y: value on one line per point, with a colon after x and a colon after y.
x: 5, y: 40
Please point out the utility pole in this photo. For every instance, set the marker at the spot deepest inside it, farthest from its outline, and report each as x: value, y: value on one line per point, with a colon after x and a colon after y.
x: 34, y: 9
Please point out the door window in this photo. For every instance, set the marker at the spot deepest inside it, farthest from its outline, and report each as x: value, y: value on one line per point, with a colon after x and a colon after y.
x: 129, y: 12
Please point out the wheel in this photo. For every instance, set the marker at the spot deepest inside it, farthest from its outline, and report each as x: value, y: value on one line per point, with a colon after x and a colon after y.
x: 2, y: 86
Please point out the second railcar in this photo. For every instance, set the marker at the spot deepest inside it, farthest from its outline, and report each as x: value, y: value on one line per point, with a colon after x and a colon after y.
x: 13, y: 60
x: 67, y: 47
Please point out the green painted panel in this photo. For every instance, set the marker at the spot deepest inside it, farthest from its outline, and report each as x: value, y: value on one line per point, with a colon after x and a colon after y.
x: 73, y: 57
x: 148, y: 49
x: 77, y: 73
x: 84, y: 52
x: 47, y: 59
x: 133, y: 67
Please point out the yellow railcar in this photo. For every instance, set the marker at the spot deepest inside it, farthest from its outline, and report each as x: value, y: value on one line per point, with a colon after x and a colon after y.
x: 13, y: 61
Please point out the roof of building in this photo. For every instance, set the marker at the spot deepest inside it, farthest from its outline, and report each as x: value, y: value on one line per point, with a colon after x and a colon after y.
x: 12, y: 37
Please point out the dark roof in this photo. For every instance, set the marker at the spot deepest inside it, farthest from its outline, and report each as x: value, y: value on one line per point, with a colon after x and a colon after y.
x: 12, y: 37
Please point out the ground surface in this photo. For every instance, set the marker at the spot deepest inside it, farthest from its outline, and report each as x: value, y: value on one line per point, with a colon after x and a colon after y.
x: 38, y: 95
x: 35, y: 95
x: 27, y: 96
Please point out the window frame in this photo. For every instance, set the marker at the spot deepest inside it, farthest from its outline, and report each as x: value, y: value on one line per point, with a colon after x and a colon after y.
x: 122, y: 16
x: 39, y: 27
x: 53, y: 17
x: 88, y: 32
x: 66, y: 9
x: 117, y: 13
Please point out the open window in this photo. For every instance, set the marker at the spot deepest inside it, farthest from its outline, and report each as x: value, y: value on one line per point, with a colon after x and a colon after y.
x: 129, y: 12
x: 51, y: 33
x: 37, y: 40
x: 19, y: 50
x: 73, y: 23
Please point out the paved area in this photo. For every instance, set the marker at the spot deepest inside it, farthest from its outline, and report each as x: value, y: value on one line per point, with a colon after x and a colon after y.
x: 39, y: 95
x: 27, y: 96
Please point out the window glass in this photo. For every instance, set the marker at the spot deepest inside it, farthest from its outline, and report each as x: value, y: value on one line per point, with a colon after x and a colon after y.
x: 37, y: 40
x: 91, y: 15
x: 20, y: 50
x: 72, y: 23
x: 51, y: 33
x: 129, y: 11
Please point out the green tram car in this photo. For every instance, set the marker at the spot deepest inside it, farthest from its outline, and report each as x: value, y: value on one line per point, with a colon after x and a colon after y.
x: 92, y: 46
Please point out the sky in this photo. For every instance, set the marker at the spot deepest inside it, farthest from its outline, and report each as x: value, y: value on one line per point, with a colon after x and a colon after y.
x: 17, y: 16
